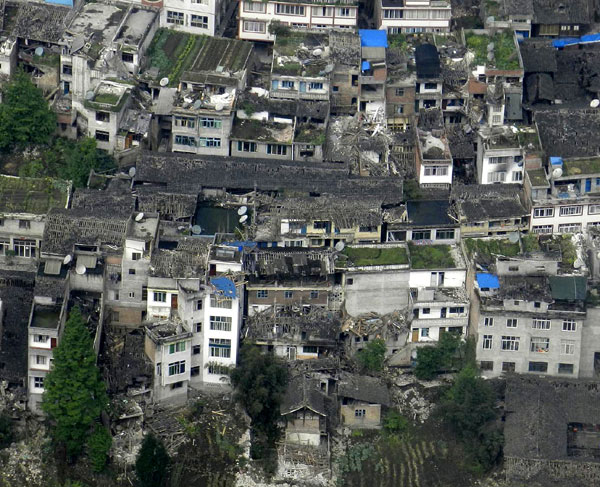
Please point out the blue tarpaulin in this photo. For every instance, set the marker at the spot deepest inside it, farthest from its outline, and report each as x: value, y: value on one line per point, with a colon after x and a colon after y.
x: 569, y: 41
x: 373, y: 38
x: 556, y: 161
x: 225, y: 285
x: 366, y: 65
x: 486, y: 280
x: 60, y: 2
x: 240, y: 245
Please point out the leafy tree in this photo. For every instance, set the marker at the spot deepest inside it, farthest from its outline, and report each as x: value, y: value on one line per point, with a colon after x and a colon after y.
x: 152, y: 463
x: 448, y: 353
x: 6, y: 431
x: 75, y: 395
x: 25, y: 118
x: 371, y: 357
x: 260, y: 381
x: 394, y: 422
x: 98, y: 447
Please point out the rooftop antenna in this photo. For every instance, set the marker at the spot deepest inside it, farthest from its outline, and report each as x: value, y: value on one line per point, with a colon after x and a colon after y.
x: 595, y: 103
x: 513, y: 237
x: 558, y: 172
x: 39, y: 51
x: 242, y: 210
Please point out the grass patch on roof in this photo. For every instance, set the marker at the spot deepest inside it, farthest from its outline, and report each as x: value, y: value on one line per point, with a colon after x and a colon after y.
x: 32, y: 195
x: 487, y: 248
x: 505, y: 52
x: 574, y: 167
x: 366, y: 256
x: 431, y: 257
x: 172, y: 53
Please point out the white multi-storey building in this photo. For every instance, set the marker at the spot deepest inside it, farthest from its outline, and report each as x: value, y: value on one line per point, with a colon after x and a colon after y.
x: 193, y: 16
x: 255, y: 18
x: 499, y: 156
x: 413, y: 16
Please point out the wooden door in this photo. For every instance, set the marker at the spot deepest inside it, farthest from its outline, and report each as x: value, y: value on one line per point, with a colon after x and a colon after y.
x: 415, y: 335
x: 173, y: 301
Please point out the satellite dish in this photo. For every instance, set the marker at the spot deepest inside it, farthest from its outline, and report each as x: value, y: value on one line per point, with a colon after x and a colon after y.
x: 89, y: 95
x: 317, y: 52
x: 196, y: 229
x: 242, y: 210
x: 578, y: 263
x: 595, y: 103
x: 598, y: 255
x: 340, y: 246
x: 131, y: 172
x: 80, y: 269
x: 219, y: 107
x: 39, y: 51
x: 243, y: 218
x: 197, y: 104
x: 67, y: 259
x: 163, y: 81
x: 139, y: 217
x: 513, y: 237
x: 558, y: 172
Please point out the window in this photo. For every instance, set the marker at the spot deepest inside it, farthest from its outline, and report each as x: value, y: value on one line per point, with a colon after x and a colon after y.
x: 486, y: 365
x: 24, y: 248
x: 254, y: 7
x: 262, y: 293
x: 322, y: 11
x: 177, y: 347
x: 220, y: 323
x: 198, y: 304
x: 538, y: 366
x: 344, y: 12
x: 177, y: 368
x: 286, y: 9
x: 399, y: 109
x: 102, y: 136
x: 508, y: 366
x: 219, y: 347
x: 569, y: 325
x: 288, y: 294
x: 496, y: 177
x: 67, y: 69
x: 41, y: 338
x: 425, y: 311
x: 593, y: 209
x: 310, y: 349
x: 436, y: 171
x: 102, y: 116
x: 127, y: 57
x: 542, y: 229
x: 195, y: 371
x: 246, y: 146
x: 496, y: 119
x: 517, y: 176
x: 444, y: 234
x: 196, y: 350
x: 314, y: 295
x: 132, y: 272
x: 539, y: 324
x: 209, y: 141
x: 360, y: 413
x: 185, y: 140
x: 421, y: 234
x: 185, y: 122
x: 320, y: 225
x: 253, y: 26
x: 132, y: 294
x: 571, y: 210
x: 513, y: 268
x: 160, y: 297
x: 430, y: 86
x: 277, y: 149
x: 287, y: 84
x: 393, y: 14
x: 41, y: 359
x: 38, y: 382
x: 567, y: 347
x: 221, y: 302
x: 217, y: 369
x: 456, y: 310
x: 565, y: 368
x: 198, y: 327
x: 424, y: 332
x: 543, y: 212
x: 199, y: 21
x: 569, y: 227
x: 511, y: 323
x: 540, y: 344
x: 315, y: 86
x: 136, y: 256
x: 487, y: 342
x: 399, y: 91
x: 437, y: 278
x: 174, y: 17
x: 211, y: 123
x: 488, y: 322
x: 510, y: 343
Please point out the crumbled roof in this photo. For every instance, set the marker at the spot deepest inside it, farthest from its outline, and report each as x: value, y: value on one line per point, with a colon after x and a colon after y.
x: 481, y: 202
x: 281, y: 107
x: 136, y: 26
x: 569, y: 133
x: 568, y: 288
x: 538, y: 58
x: 303, y: 392
x: 289, y: 262
x: 95, y: 23
x: 262, y: 131
x: 364, y: 388
x: 527, y: 288
x: 429, y: 213
x: 41, y: 22
x: 32, y: 195
x: 580, y: 166
x: 345, y: 47
x: 300, y: 51
x: 187, y: 259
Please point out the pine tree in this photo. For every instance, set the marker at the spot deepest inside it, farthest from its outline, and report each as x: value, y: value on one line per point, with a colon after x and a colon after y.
x: 25, y: 117
x: 152, y: 463
x: 75, y: 395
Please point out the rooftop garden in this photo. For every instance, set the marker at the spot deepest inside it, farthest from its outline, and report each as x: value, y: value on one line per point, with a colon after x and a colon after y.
x: 529, y: 140
x: 32, y: 195
x: 505, y: 52
x: 486, y: 249
x: 575, y: 167
x: 431, y: 257
x: 309, y: 134
x: 537, y: 177
x: 366, y: 256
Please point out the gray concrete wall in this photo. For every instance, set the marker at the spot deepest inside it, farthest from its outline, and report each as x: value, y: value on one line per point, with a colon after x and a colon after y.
x: 381, y: 292
x: 590, y: 343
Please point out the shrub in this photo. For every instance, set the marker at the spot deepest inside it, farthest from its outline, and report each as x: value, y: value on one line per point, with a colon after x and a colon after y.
x: 371, y: 357
x: 98, y: 447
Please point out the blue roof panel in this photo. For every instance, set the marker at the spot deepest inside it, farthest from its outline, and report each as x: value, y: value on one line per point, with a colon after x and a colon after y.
x: 365, y: 65
x: 486, y: 280
x: 373, y: 38
x: 225, y: 285
x: 69, y: 3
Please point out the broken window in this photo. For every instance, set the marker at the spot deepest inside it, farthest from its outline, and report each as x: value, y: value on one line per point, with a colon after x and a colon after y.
x: 508, y: 366
x: 102, y: 136
x: 196, y: 350
x: 565, y: 368
x: 25, y: 224
x: 127, y: 57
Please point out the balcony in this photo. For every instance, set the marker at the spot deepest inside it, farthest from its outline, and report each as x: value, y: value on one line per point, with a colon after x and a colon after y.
x: 301, y: 95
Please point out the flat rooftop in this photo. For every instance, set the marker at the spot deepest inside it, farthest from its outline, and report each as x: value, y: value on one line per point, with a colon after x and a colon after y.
x: 296, y: 52
x: 32, y: 195
x: 583, y: 166
x: 506, y: 56
x: 45, y: 316
x: 109, y: 96
x: 134, y: 29
x: 97, y: 23
x: 282, y: 133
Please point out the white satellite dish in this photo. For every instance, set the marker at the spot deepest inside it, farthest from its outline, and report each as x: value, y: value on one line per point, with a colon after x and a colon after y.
x: 89, y: 95
x: 80, y: 269
x: 340, y: 246
x: 196, y: 229
x: 242, y: 210
x: 317, y: 52
x: 558, y: 172
x: 139, y: 217
x: 598, y: 255
x: 578, y: 263
x: 39, y: 51
x: 595, y: 103
x: 163, y: 81
x: 243, y: 218
x: 131, y: 172
x: 513, y: 237
x: 67, y: 259
x: 218, y: 107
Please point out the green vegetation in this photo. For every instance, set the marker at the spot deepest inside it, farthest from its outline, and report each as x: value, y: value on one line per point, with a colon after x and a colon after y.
x: 395, y: 423
x: 32, y: 195
x: 366, y: 256
x: 173, y: 52
x: 431, y: 257
x: 25, y: 118
x: 98, y: 447
x: 505, y: 52
x: 260, y: 381
x: 411, y: 190
x: 75, y: 395
x: 486, y: 248
x: 575, y: 167
x: 537, y: 177
x: 371, y: 358
x: 69, y: 160
x: 398, y: 41
x: 50, y: 59
x: 530, y: 242
x: 107, y: 98
x: 152, y: 463
x: 449, y: 353
x: 6, y: 430
x: 567, y: 249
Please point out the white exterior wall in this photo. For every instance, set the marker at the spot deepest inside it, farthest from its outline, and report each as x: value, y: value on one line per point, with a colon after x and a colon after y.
x: 584, y: 219
x: 308, y: 20
x: 452, y: 278
x: 208, y: 8
x: 447, y: 179
x: 484, y: 168
x: 417, y: 16
x: 157, y: 310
